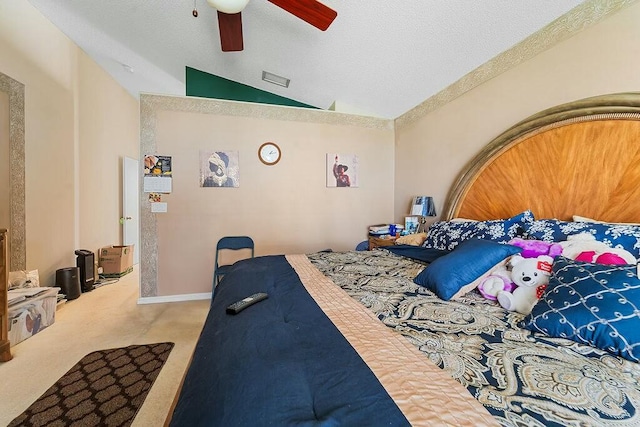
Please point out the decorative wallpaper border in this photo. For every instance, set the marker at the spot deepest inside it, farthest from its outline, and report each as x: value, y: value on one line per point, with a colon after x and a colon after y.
x: 576, y: 20
x: 148, y: 226
x: 264, y: 111
x: 17, y: 226
x: 150, y: 105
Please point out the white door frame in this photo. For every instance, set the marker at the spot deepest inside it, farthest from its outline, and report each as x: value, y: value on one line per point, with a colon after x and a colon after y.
x: 130, y: 219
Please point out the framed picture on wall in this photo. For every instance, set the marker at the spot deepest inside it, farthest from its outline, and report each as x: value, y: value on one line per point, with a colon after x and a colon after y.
x: 219, y: 169
x: 342, y: 170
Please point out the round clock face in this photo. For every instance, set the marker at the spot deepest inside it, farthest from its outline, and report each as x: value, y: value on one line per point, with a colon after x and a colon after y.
x: 269, y: 153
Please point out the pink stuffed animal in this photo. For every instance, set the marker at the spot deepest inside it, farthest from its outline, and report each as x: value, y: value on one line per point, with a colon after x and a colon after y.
x: 584, y: 247
x: 535, y: 248
x: 603, y: 258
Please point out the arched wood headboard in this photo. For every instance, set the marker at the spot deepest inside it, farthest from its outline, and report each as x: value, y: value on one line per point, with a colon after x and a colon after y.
x: 581, y: 158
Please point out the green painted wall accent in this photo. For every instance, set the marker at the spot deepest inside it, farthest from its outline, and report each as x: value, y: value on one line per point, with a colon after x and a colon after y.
x: 207, y: 85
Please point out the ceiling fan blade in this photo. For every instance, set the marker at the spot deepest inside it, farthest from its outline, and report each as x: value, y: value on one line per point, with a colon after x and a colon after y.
x: 310, y: 11
x: 230, y: 26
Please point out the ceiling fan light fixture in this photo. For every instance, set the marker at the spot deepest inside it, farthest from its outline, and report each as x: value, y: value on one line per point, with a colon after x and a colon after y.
x: 275, y: 79
x: 228, y: 6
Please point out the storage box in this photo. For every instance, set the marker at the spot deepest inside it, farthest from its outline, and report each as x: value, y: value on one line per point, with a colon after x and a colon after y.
x: 33, y: 314
x: 116, y: 261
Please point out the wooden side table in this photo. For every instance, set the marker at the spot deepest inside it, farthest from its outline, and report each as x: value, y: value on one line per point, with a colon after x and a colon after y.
x: 5, y: 352
x: 379, y: 241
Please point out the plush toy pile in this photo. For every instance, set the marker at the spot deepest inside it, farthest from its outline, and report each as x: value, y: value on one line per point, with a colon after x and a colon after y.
x: 502, y: 279
x: 585, y: 247
x: 520, y: 281
x: 531, y: 276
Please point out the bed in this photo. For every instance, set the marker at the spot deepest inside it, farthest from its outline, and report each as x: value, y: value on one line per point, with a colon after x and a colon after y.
x: 401, y: 336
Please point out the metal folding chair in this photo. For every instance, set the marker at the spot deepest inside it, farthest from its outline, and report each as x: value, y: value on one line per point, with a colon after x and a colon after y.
x: 229, y: 243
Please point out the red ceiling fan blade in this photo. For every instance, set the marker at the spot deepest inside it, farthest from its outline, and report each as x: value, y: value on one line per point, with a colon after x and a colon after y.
x: 310, y: 11
x: 230, y: 26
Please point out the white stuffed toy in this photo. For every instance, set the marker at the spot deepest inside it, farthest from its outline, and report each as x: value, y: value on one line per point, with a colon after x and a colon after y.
x: 531, y: 275
x: 585, y: 247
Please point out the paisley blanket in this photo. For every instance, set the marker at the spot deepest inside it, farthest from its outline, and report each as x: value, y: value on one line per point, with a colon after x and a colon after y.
x: 522, y: 379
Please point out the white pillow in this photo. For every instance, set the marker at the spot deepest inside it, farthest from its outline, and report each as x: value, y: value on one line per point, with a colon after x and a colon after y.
x: 577, y: 218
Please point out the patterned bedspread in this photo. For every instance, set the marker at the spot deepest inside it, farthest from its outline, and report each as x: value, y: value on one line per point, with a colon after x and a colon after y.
x: 523, y: 379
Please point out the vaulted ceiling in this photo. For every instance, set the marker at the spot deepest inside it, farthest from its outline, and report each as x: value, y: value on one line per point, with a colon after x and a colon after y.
x: 378, y: 57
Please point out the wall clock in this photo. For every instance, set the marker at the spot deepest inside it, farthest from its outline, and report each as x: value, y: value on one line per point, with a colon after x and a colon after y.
x: 269, y: 153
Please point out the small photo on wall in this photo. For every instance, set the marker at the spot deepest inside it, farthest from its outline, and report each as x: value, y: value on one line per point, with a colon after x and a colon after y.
x: 342, y: 170
x: 219, y: 169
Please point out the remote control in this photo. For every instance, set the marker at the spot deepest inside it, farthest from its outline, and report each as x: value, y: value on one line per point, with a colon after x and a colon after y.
x: 238, y: 306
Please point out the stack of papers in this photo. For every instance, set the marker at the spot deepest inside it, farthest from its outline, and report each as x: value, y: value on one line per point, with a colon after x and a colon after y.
x: 381, y: 229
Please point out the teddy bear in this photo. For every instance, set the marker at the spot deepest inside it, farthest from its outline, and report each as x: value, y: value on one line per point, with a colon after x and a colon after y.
x: 498, y: 280
x: 531, y: 275
x: 585, y: 247
x: 535, y: 248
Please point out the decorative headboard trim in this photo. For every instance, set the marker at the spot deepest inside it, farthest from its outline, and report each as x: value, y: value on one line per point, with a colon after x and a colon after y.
x: 621, y: 106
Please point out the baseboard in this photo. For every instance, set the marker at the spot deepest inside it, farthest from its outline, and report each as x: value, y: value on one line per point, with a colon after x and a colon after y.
x: 174, y: 298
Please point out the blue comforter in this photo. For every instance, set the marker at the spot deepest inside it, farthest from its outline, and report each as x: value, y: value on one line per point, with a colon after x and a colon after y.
x: 280, y: 362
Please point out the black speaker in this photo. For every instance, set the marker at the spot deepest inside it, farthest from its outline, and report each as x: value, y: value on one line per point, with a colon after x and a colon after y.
x: 84, y: 262
x: 68, y: 279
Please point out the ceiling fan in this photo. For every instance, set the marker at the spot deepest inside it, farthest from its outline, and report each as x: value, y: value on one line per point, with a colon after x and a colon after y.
x: 230, y: 18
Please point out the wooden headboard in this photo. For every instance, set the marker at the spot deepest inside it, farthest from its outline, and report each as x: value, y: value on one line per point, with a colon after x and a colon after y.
x: 581, y: 158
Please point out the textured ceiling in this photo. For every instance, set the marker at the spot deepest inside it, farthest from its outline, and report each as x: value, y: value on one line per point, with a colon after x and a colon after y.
x: 379, y: 57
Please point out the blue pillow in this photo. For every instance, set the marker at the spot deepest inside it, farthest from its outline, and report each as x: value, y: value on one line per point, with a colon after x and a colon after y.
x: 446, y: 235
x: 456, y: 273
x: 622, y: 236
x: 591, y: 304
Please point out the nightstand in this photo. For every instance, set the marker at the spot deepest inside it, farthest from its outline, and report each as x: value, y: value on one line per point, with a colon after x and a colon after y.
x: 378, y: 241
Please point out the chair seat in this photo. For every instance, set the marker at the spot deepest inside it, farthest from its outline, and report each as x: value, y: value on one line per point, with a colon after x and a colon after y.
x: 222, y: 270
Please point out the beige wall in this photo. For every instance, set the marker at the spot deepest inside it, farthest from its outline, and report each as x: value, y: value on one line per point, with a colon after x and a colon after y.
x: 431, y: 151
x: 67, y: 120
x: 109, y: 129
x: 285, y: 208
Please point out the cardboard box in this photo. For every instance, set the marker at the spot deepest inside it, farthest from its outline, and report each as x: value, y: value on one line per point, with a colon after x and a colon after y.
x: 33, y: 314
x: 116, y: 261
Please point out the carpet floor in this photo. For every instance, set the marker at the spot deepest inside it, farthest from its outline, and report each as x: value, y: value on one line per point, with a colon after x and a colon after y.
x: 105, y: 388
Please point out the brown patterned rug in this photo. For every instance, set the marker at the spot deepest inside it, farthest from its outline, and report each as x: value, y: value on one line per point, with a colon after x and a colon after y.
x: 106, y: 388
